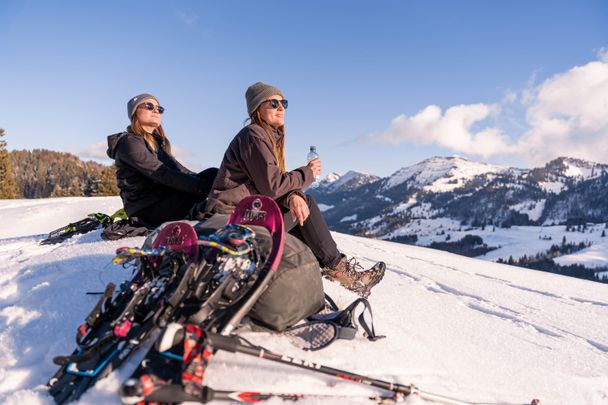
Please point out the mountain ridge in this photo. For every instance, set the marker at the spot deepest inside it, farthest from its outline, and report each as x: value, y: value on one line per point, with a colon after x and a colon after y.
x: 472, y: 193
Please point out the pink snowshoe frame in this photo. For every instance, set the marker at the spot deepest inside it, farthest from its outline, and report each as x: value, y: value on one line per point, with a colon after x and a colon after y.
x: 262, y: 211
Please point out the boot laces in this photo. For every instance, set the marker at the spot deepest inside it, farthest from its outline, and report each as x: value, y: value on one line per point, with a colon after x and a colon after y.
x: 353, y: 264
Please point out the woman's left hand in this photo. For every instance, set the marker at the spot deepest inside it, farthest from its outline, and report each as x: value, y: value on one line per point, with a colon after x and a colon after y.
x: 299, y: 209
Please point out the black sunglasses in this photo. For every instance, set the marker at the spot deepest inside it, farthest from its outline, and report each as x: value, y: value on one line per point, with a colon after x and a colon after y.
x: 151, y: 107
x: 275, y: 103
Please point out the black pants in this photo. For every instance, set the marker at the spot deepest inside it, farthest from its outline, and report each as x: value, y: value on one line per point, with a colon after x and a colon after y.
x: 314, y: 233
x: 177, y: 204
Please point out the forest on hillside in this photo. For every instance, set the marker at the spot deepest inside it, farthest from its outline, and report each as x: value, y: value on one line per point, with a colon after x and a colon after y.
x: 42, y: 173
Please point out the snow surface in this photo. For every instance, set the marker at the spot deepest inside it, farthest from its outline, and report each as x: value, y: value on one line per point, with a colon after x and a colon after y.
x: 349, y: 218
x: 534, y: 209
x: 515, y: 241
x: 581, y: 169
x: 327, y: 180
x: 554, y: 187
x: 440, y: 174
x: 455, y: 326
x: 334, y: 181
x: 325, y: 207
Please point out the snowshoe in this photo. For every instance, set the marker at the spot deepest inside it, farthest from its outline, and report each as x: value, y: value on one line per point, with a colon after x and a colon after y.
x: 122, y: 320
x: 92, y: 222
x: 173, y: 369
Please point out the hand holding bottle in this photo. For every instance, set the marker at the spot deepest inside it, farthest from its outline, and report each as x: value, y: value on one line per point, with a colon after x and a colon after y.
x: 314, y: 162
x: 315, y: 166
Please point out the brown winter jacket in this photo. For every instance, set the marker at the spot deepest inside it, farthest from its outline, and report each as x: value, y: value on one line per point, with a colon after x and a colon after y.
x: 250, y: 167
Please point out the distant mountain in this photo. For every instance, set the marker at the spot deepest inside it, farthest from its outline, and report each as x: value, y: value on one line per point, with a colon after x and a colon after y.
x: 439, y: 174
x: 472, y: 193
x: 335, y: 182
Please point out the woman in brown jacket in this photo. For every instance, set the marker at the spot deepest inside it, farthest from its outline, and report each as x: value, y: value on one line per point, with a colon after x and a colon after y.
x: 255, y: 164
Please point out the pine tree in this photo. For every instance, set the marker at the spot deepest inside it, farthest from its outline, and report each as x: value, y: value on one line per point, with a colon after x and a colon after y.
x: 8, y: 185
x: 107, y: 184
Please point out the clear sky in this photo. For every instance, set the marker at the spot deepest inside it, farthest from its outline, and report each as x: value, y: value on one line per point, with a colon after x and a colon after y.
x: 375, y: 85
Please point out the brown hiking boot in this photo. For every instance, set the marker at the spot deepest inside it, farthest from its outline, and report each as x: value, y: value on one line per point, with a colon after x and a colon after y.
x: 360, y: 282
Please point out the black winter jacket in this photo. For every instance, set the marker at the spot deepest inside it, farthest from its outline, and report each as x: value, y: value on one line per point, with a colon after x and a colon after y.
x: 146, y: 177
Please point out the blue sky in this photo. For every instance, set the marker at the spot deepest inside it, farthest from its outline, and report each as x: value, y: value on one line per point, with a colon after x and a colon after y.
x: 374, y: 85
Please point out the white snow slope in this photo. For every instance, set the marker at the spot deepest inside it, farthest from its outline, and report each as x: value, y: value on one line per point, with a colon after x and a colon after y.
x: 455, y: 326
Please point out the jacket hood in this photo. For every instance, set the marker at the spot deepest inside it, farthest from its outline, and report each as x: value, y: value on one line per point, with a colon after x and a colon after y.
x: 113, y: 142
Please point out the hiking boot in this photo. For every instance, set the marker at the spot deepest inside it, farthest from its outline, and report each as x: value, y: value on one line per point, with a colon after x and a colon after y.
x: 360, y: 282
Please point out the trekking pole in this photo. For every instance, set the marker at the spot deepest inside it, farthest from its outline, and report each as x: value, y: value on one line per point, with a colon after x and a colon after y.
x: 233, y: 345
x: 254, y: 396
x: 176, y: 393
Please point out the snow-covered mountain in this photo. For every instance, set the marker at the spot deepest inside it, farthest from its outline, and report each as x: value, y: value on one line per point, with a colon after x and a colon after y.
x: 439, y: 174
x: 471, y: 193
x: 561, y: 173
x: 335, y: 182
x: 455, y: 326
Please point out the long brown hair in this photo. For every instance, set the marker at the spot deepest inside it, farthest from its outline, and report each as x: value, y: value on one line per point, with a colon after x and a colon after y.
x: 278, y: 145
x: 150, y: 138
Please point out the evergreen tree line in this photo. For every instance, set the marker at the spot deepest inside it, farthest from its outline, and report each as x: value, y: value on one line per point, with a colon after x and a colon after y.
x: 42, y: 173
x: 544, y: 262
x: 8, y: 185
x: 470, y: 245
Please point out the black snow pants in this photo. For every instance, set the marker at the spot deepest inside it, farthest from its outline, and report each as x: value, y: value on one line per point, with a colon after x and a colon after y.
x: 176, y: 205
x: 314, y: 233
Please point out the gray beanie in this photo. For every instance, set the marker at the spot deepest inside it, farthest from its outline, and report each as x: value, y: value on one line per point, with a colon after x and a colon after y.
x: 136, y: 102
x: 259, y: 92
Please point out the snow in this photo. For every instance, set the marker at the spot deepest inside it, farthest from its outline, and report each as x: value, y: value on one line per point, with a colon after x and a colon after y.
x: 581, y: 169
x: 384, y: 198
x: 27, y: 217
x: 327, y: 180
x: 428, y: 230
x: 592, y: 257
x: 335, y: 181
x: 455, y: 326
x: 573, y: 171
x: 554, y: 187
x: 405, y: 206
x: 515, y: 241
x: 534, y: 209
x: 441, y: 174
x: 349, y: 218
x: 325, y: 207
x: 415, y: 210
x: 349, y: 176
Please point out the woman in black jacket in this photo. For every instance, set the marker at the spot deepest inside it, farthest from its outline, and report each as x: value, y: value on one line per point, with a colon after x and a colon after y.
x: 154, y: 186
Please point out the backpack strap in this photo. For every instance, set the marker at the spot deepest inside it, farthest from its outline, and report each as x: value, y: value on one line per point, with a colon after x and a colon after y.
x: 347, y: 328
x: 323, y: 328
x: 330, y: 304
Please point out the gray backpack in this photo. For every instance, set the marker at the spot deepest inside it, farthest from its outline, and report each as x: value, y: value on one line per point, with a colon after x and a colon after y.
x: 296, y: 291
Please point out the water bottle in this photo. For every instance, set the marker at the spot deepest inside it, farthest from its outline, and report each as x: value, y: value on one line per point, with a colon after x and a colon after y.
x: 313, y: 155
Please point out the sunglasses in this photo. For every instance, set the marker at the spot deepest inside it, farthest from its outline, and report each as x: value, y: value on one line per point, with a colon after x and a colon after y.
x: 275, y: 103
x: 151, y: 107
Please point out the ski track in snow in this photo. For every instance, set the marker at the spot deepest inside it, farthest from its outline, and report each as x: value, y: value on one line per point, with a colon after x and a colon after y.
x: 485, y: 306
x: 455, y: 326
x: 478, y: 303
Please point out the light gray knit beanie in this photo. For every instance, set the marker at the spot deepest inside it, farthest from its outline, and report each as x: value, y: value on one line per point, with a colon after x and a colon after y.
x: 259, y: 92
x: 137, y: 101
